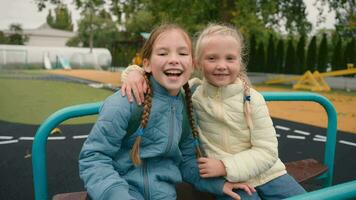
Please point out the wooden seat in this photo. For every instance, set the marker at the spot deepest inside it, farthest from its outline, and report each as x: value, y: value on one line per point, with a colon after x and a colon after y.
x: 301, y: 170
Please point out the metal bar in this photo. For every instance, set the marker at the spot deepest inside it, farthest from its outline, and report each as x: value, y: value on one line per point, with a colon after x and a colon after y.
x: 40, y: 141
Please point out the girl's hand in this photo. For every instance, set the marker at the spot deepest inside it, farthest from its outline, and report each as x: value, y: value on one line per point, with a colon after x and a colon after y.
x: 210, y: 167
x: 228, y: 189
x: 136, y: 83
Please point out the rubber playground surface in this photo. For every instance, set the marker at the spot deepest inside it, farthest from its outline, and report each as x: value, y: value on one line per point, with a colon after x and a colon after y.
x: 303, y: 112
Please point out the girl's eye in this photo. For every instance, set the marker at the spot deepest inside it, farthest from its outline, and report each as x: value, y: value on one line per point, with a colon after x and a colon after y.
x: 162, y: 54
x: 183, y: 54
x: 231, y: 58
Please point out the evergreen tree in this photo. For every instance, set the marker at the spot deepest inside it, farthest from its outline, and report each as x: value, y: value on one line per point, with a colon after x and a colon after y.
x: 337, y: 63
x: 290, y: 58
x: 323, y: 54
x: 252, y: 54
x: 300, y: 62
x: 50, y: 18
x: 311, y: 55
x: 280, y: 56
x: 62, y: 19
x: 261, y: 58
x: 350, y: 56
x: 271, y: 60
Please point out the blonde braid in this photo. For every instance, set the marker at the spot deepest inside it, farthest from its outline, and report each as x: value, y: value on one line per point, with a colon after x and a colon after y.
x: 195, y: 132
x: 247, y: 99
x: 147, y: 104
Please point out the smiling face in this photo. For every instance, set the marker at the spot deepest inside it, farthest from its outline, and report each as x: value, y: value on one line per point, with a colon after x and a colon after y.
x: 171, y: 62
x: 220, y: 59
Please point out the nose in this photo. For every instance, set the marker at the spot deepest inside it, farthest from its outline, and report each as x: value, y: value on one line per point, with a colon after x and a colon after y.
x: 173, y: 59
x: 221, y: 66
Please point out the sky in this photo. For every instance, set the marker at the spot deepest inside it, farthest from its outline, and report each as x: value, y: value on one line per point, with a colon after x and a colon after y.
x: 26, y: 13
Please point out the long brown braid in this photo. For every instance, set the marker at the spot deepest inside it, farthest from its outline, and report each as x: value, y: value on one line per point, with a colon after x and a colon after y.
x: 195, y: 132
x: 147, y: 104
x: 146, y: 54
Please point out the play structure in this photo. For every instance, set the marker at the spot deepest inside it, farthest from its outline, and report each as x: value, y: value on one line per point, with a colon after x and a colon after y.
x: 21, y: 57
x: 313, y: 81
x: 301, y: 170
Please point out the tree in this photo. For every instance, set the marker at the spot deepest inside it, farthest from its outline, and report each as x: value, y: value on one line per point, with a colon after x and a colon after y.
x: 62, y: 19
x: 323, y: 54
x: 50, y: 18
x: 3, y: 38
x: 311, y: 55
x: 337, y: 58
x: 290, y: 67
x: 345, y: 11
x: 261, y: 58
x: 271, y: 64
x: 300, y: 62
x: 252, y: 62
x: 350, y: 52
x: 16, y: 36
x: 280, y: 56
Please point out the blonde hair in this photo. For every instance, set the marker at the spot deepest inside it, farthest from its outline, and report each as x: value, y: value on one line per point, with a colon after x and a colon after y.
x: 147, y: 104
x: 226, y: 30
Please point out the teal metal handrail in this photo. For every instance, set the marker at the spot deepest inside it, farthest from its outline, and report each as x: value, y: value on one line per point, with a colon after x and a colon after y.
x: 40, y: 141
x: 341, y: 191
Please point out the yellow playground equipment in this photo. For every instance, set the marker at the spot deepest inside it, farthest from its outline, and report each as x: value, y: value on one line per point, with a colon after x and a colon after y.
x: 313, y: 81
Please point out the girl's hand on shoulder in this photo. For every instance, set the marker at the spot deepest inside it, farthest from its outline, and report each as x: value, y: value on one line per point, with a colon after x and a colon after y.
x: 135, y: 83
x: 228, y: 189
x: 211, y: 167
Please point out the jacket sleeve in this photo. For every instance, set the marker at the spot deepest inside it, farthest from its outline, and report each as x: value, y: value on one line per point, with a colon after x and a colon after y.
x: 263, y: 152
x: 96, y: 168
x: 189, y: 166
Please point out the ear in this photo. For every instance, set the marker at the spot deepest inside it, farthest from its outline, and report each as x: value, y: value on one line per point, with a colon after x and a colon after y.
x: 146, y: 65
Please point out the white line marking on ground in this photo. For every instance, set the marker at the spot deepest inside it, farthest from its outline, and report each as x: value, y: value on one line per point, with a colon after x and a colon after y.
x: 26, y: 138
x: 57, y: 138
x: 319, y: 139
x: 296, y: 137
x: 278, y: 135
x: 9, y: 141
x: 6, y: 137
x: 282, y: 128
x: 301, y: 132
x: 80, y: 136
x: 347, y: 143
x: 320, y: 136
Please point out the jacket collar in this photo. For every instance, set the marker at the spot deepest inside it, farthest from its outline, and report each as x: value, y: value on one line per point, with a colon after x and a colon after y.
x: 159, y: 89
x: 222, y: 92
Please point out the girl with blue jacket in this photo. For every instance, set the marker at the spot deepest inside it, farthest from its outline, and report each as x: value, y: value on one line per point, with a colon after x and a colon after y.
x: 129, y: 155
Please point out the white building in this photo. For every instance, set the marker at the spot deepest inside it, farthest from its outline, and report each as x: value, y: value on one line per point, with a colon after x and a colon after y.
x: 46, y: 36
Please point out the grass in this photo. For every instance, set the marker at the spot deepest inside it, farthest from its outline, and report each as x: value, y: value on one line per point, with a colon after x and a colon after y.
x: 32, y: 101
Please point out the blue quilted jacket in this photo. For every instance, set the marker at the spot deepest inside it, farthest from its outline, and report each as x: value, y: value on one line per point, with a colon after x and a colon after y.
x: 167, y: 151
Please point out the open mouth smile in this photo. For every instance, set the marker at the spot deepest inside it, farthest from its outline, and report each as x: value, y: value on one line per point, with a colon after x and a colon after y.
x: 173, y: 72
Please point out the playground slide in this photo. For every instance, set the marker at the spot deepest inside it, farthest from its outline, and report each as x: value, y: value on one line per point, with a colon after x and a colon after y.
x: 47, y: 62
x: 64, y: 63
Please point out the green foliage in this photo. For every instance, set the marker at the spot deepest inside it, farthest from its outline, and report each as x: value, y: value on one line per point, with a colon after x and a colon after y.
x: 337, y: 59
x: 350, y: 52
x: 280, y: 56
x: 290, y: 67
x: 312, y: 55
x: 261, y: 58
x: 16, y: 35
x: 271, y: 60
x: 300, y: 61
x: 252, y: 59
x: 62, y: 18
x: 323, y: 54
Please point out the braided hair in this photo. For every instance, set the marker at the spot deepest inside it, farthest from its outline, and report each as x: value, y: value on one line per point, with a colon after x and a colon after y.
x: 217, y: 29
x: 146, y: 54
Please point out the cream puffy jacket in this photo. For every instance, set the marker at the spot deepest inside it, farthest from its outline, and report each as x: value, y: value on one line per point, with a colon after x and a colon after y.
x: 248, y: 156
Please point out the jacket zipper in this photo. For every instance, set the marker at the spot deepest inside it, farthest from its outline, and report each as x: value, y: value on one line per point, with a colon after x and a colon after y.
x: 145, y: 181
x: 171, y: 130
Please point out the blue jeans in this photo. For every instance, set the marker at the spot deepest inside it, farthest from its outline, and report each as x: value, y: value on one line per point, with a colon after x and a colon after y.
x: 279, y: 188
